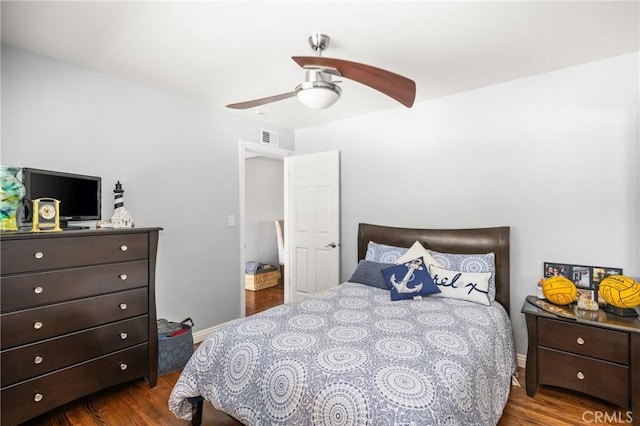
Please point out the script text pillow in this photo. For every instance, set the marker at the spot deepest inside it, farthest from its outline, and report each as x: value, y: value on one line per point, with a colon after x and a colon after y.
x: 471, y: 286
x: 409, y: 280
x: 484, y: 262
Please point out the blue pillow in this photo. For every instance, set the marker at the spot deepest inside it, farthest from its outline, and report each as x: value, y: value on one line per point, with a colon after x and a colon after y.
x: 409, y: 279
x: 383, y: 253
x: 370, y: 273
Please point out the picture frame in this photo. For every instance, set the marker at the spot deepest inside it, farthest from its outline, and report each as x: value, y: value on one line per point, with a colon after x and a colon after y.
x: 552, y: 269
x: 589, y: 294
x: 586, y: 278
x: 600, y: 272
x: 581, y: 276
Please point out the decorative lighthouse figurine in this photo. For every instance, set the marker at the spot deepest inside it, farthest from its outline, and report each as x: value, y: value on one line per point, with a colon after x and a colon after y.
x: 121, y: 218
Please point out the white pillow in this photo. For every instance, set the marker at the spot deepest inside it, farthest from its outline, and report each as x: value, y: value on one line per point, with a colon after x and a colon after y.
x: 415, y: 252
x: 471, y: 286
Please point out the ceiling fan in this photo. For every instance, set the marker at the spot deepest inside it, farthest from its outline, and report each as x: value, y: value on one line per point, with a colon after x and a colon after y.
x: 319, y: 90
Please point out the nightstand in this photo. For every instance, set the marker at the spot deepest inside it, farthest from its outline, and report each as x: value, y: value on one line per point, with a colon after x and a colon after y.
x: 597, y: 354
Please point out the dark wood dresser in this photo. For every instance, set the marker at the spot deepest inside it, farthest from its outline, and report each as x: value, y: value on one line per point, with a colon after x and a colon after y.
x: 597, y: 354
x: 78, y: 315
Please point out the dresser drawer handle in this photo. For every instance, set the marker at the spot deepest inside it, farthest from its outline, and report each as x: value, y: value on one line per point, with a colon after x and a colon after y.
x: 38, y: 359
x: 38, y: 397
x: 123, y: 366
x: 580, y: 341
x: 38, y: 290
x: 580, y: 375
x: 123, y: 306
x: 123, y: 335
x: 38, y: 255
x: 38, y: 325
x: 123, y: 247
x: 123, y: 276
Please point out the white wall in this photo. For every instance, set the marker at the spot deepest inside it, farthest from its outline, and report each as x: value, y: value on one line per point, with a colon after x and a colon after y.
x: 554, y: 156
x: 177, y: 160
x: 264, y: 205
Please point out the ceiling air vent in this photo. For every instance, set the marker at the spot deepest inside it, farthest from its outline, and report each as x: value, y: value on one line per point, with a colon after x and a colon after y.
x: 268, y: 138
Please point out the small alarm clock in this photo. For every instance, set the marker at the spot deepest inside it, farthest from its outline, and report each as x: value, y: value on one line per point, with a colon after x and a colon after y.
x: 46, y: 215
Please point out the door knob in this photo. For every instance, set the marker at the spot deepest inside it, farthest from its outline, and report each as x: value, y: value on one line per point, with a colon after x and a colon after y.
x: 332, y: 245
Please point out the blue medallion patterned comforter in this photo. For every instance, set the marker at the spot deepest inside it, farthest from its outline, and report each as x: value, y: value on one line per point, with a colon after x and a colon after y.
x: 350, y: 356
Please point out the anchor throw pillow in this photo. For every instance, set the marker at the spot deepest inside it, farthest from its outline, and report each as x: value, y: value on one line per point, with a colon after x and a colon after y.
x: 410, y: 279
x: 471, y: 286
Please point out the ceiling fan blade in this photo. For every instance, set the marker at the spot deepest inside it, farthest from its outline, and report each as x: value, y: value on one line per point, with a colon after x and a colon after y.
x: 400, y: 88
x: 262, y: 101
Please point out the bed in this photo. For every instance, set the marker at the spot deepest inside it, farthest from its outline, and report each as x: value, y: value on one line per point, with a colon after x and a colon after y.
x: 351, y: 356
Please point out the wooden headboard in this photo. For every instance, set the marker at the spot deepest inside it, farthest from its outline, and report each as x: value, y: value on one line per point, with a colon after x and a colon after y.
x: 462, y: 241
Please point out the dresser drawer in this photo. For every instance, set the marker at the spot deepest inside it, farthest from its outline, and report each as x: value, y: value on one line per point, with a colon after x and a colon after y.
x: 41, y: 288
x: 28, y: 399
x: 64, y: 252
x: 601, y: 379
x: 595, y: 342
x: 26, y: 362
x: 36, y: 324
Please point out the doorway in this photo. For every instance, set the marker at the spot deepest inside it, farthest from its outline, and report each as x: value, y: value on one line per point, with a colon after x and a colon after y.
x: 251, y: 302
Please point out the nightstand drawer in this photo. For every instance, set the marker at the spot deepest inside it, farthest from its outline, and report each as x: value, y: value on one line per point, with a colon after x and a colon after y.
x: 601, y: 379
x: 42, y: 288
x: 65, y: 252
x: 26, y: 362
x: 35, y: 324
x: 595, y: 342
x: 33, y: 397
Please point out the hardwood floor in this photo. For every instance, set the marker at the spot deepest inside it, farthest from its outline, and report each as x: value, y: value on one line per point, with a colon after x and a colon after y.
x: 557, y: 407
x: 136, y: 404
x: 257, y: 301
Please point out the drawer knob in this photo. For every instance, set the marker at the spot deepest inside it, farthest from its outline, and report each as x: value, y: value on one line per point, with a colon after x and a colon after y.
x: 38, y: 290
x: 580, y: 375
x: 123, y: 366
x: 38, y: 397
x: 38, y: 359
x: 580, y: 341
x: 123, y: 306
x: 123, y: 335
x: 123, y: 247
x: 123, y: 276
x: 38, y: 325
x: 38, y: 255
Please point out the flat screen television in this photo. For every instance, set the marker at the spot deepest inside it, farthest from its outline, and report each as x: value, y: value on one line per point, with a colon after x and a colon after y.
x: 79, y: 195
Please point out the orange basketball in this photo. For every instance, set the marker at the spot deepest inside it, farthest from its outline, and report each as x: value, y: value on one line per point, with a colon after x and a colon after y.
x: 559, y: 290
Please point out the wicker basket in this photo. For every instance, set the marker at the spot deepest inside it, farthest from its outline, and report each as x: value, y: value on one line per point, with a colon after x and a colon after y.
x: 261, y: 280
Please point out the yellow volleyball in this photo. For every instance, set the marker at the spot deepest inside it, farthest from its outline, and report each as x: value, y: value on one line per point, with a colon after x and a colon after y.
x: 620, y: 291
x: 559, y: 290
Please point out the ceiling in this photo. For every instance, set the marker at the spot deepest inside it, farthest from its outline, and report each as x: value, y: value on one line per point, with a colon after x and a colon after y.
x: 232, y: 51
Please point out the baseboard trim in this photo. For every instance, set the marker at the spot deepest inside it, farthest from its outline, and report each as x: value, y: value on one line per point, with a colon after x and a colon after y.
x: 199, y: 336
x: 522, y: 360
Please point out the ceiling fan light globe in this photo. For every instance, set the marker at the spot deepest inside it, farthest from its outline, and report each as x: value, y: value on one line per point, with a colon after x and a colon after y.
x: 318, y: 94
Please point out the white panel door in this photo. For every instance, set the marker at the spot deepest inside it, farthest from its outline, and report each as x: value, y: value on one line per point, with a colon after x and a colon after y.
x: 312, y: 223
